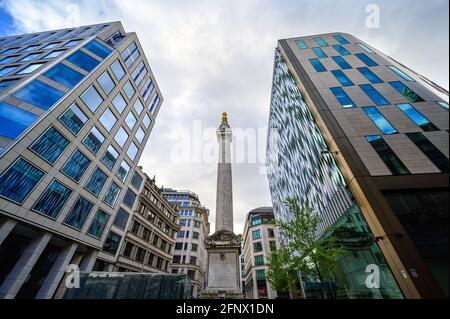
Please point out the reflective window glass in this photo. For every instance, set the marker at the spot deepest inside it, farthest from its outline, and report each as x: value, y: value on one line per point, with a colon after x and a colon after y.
x: 92, y: 98
x: 121, y: 137
x: 379, y: 120
x: 79, y: 213
x: 132, y: 151
x: 119, y: 103
x: 106, y: 83
x: 83, y: 60
x: 53, y: 199
x: 108, y: 120
x: 50, y: 145
x: 76, y: 166
x: 130, y: 120
x: 123, y: 170
x: 74, y: 119
x: 64, y: 75
x: 110, y: 157
x: 19, y: 180
x: 13, y: 120
x: 96, y: 182
x: 94, y: 140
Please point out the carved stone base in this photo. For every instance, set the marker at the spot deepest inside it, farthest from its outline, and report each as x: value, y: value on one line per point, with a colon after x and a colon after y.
x: 223, y: 275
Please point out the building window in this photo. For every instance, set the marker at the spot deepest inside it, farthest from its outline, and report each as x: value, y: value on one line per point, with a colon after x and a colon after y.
x: 154, y: 103
x: 7, y: 70
x: 417, y: 117
x: 31, y: 68
x: 260, y: 274
x: 79, y: 213
x: 83, y: 60
x: 365, y: 47
x: 379, y: 120
x: 54, y: 54
x: 178, y: 246
x: 72, y: 43
x: 119, y: 103
x: 259, y: 260
x: 431, y: 151
x: 98, y: 49
x: 96, y: 182
x: 123, y: 170
x: 7, y: 83
x: 121, y: 137
x: 273, y: 245
x: 121, y: 219
x: 340, y: 49
x: 13, y: 120
x: 136, y: 181
x: 29, y: 57
x: 341, y: 62
x: 117, y: 69
x: 110, y: 157
x: 321, y: 42
x: 140, y: 254
x: 176, y: 259
x: 64, y: 75
x: 317, y: 65
x: 444, y: 105
x: 50, y: 145
x: 146, y: 121
x: 132, y: 151
x: 342, y: 97
x: 147, y: 89
x: 39, y: 94
x: 301, y: 44
x: 370, y: 75
x: 320, y: 53
x: 53, y: 199
x: 138, y: 106
x: 365, y: 59
x: 94, y: 140
x: 195, y: 235
x: 128, y: 249
x: 374, y: 95
x: 130, y: 120
x: 106, y: 83
x: 111, y: 243
x: 140, y: 134
x: 400, y: 73
x: 180, y: 234
x: 129, y: 90
x: 406, y: 92
x: 271, y: 233
x: 76, y: 166
x: 74, y: 119
x: 139, y: 73
x: 388, y: 156
x: 256, y: 234
x: 111, y: 195
x: 257, y: 247
x: 51, y: 45
x: 342, y: 78
x: 19, y: 180
x: 129, y: 198
x: 194, y: 247
x: 108, y: 120
x: 92, y: 98
x: 193, y: 260
x: 339, y: 38
x: 98, y: 224
x: 130, y: 54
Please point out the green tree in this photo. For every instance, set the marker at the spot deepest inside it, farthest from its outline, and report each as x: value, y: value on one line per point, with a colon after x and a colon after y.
x: 304, y: 251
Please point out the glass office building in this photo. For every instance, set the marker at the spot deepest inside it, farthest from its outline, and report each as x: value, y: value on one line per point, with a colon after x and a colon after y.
x: 76, y: 109
x: 363, y: 140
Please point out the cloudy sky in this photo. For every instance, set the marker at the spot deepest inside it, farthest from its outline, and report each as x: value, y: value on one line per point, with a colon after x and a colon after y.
x: 215, y: 56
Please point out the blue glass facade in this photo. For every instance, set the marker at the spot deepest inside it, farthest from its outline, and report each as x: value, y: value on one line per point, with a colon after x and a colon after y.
x: 299, y: 167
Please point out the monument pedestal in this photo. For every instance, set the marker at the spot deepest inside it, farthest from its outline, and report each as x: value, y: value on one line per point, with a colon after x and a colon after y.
x: 223, y: 276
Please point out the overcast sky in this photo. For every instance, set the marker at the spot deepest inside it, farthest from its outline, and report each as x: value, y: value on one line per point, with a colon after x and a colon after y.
x: 215, y: 56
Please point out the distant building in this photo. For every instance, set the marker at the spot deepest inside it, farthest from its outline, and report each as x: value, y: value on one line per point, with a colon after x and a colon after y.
x: 76, y: 109
x: 189, y: 255
x: 259, y: 242
x: 150, y: 233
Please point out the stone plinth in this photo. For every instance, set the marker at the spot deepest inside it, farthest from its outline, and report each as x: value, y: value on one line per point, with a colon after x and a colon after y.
x: 223, y: 277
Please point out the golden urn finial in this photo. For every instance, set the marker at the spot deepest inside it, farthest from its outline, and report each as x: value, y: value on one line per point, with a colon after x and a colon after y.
x: 225, y: 117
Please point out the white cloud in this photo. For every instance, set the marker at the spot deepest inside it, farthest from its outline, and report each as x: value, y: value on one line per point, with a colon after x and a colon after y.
x: 215, y: 56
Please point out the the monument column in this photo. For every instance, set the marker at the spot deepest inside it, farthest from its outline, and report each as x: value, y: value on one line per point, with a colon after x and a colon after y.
x: 224, y: 197
x: 223, y: 247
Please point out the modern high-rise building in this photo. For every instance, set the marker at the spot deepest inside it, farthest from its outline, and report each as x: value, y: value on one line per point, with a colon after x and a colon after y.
x: 189, y: 255
x: 259, y: 242
x: 364, y: 141
x: 76, y: 109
